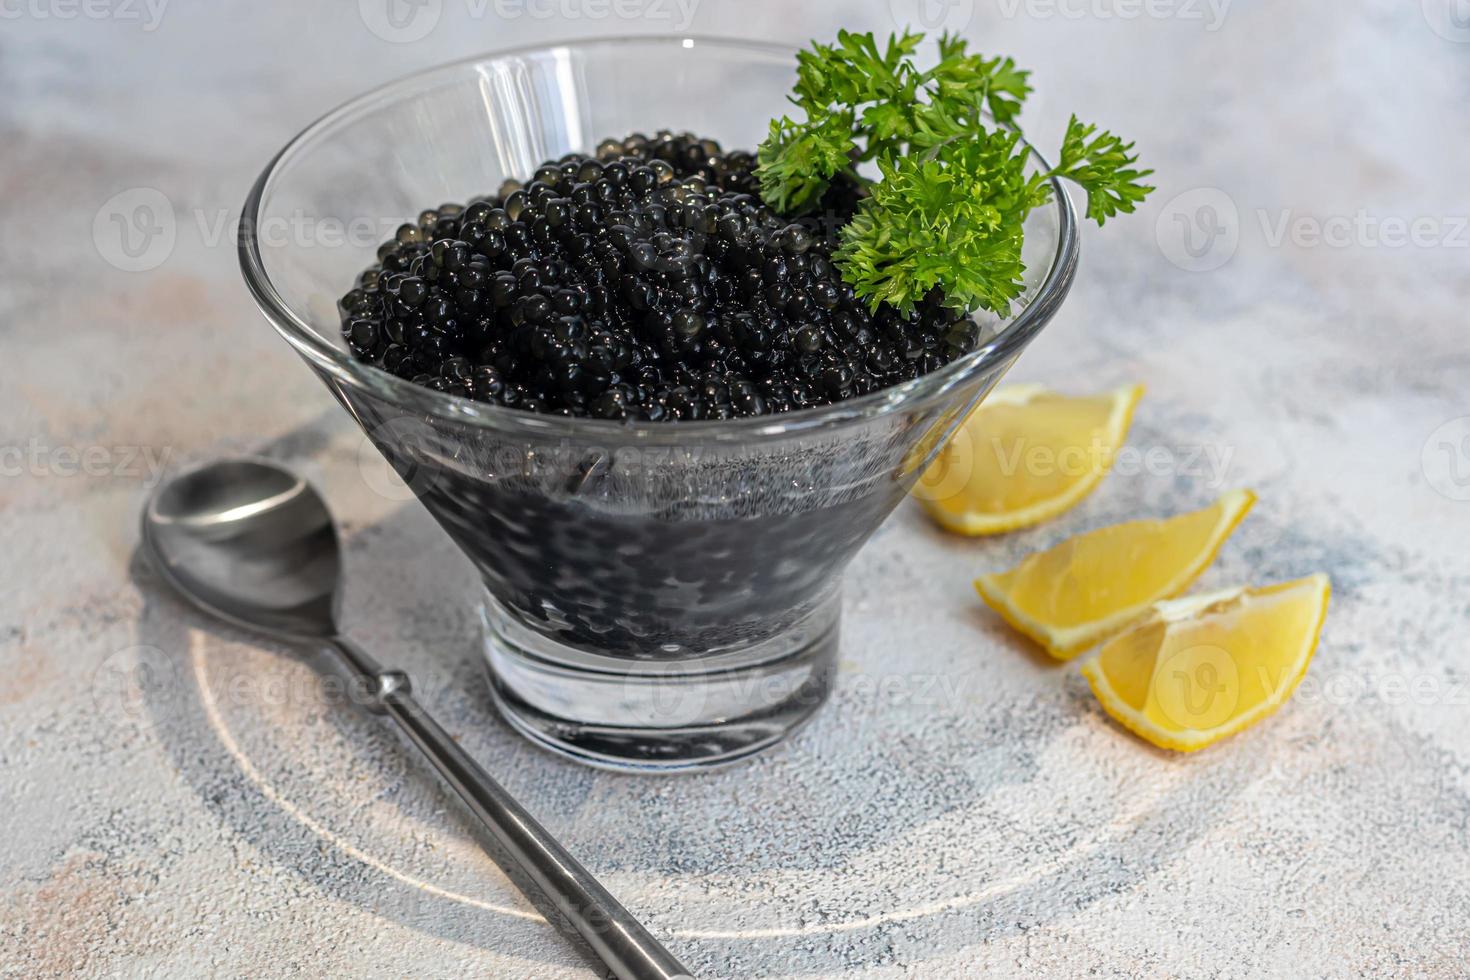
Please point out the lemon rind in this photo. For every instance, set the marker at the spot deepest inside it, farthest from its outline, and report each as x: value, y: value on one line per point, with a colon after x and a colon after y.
x: 1065, y: 643
x: 1135, y: 722
x: 970, y: 524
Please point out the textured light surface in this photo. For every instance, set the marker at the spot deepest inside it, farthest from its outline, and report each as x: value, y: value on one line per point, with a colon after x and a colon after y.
x: 181, y: 800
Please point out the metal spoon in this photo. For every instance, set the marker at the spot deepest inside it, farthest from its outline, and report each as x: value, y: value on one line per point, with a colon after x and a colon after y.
x: 254, y: 544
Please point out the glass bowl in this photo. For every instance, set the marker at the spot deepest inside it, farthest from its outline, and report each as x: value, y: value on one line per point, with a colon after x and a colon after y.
x: 658, y: 595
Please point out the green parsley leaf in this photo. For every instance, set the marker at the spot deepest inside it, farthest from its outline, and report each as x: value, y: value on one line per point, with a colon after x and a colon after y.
x: 952, y: 220
x: 853, y: 71
x: 1105, y: 167
x: 949, y: 209
x: 798, y: 160
x: 960, y: 75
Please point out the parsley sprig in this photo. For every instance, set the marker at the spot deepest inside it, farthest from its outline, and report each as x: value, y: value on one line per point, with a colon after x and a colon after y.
x: 953, y: 194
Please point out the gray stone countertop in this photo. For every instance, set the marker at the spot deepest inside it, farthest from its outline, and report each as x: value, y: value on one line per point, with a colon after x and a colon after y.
x: 1294, y: 297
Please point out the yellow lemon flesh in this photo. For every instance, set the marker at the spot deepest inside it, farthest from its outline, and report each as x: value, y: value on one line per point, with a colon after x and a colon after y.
x: 1202, y: 668
x: 1026, y: 454
x: 1087, y: 588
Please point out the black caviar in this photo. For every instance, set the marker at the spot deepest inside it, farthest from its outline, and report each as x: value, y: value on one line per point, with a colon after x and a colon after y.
x: 649, y: 282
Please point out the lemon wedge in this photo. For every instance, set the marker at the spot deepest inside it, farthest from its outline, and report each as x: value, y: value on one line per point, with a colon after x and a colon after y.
x: 1024, y: 455
x: 1086, y: 588
x: 1199, y: 669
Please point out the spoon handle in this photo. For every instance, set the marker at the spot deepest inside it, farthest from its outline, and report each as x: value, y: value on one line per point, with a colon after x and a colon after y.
x: 621, y: 942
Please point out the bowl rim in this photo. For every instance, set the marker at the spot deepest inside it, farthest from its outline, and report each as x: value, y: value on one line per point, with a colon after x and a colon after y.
x: 339, y: 366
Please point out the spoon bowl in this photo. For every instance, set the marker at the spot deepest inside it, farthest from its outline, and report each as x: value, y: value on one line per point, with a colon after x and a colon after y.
x: 251, y: 543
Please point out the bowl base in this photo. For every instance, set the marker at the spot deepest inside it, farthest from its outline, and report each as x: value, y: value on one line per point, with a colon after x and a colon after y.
x: 659, y: 717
